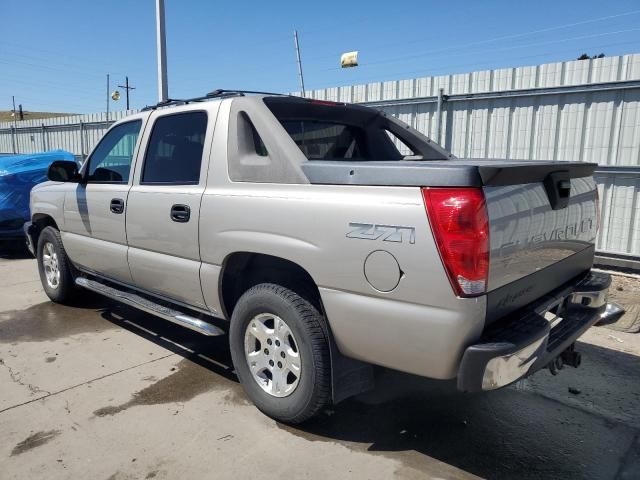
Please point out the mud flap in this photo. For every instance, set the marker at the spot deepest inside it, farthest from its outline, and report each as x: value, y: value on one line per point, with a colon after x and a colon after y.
x: 349, y: 377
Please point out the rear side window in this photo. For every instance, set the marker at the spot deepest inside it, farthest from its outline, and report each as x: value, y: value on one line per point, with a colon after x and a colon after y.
x: 174, y: 153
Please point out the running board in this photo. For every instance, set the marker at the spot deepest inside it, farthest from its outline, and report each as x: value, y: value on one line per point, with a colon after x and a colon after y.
x: 144, y: 304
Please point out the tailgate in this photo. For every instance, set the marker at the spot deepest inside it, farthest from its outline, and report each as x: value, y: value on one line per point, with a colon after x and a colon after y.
x: 542, y: 234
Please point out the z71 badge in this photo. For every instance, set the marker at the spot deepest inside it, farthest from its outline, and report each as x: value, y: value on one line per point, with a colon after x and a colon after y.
x: 388, y: 233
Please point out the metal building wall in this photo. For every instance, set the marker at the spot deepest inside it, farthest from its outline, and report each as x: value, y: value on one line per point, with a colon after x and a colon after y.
x: 586, y: 110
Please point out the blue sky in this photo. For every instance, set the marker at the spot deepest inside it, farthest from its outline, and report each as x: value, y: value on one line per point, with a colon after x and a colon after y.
x: 54, y: 55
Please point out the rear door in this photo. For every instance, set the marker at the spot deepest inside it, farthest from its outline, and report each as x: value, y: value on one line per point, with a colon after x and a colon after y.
x: 164, y: 205
x: 94, y: 232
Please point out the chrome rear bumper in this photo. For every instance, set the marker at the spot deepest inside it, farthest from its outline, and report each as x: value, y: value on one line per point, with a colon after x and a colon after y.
x: 521, y: 344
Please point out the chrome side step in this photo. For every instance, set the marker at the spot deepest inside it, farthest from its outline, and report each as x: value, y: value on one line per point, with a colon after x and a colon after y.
x: 151, y: 307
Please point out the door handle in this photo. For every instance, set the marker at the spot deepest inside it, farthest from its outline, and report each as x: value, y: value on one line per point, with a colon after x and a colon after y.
x: 180, y: 213
x: 117, y: 205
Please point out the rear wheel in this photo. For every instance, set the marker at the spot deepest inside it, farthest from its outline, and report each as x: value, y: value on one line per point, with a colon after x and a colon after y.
x: 280, y: 353
x: 54, y: 266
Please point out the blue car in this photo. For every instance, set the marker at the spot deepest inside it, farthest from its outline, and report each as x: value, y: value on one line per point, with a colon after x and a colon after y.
x: 18, y: 174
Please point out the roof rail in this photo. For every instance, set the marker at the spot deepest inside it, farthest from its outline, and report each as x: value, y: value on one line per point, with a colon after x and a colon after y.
x: 219, y: 93
x: 165, y: 103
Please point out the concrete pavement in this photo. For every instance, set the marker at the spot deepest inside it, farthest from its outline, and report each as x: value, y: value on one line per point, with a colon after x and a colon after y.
x: 103, y: 391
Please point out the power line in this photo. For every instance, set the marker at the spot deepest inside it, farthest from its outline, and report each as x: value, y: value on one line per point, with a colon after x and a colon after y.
x: 76, y: 66
x: 49, y: 67
x: 81, y: 89
x: 78, y: 61
x: 503, y: 37
x: 477, y: 52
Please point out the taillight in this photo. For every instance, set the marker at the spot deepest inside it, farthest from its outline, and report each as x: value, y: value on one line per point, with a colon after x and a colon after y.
x: 460, y: 225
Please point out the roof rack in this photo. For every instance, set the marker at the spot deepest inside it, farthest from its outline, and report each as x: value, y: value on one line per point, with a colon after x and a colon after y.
x: 219, y: 93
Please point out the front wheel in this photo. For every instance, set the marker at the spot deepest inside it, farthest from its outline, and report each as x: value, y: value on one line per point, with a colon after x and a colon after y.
x: 54, y: 266
x: 280, y: 353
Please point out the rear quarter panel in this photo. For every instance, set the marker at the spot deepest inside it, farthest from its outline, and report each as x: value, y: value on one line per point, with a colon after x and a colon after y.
x: 420, y: 326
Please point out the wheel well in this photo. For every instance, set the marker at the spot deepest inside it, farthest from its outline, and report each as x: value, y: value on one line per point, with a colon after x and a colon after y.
x: 41, y: 221
x: 243, y: 270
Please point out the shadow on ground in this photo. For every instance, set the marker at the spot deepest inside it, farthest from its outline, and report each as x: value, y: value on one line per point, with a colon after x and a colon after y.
x: 14, y: 249
x: 511, y: 433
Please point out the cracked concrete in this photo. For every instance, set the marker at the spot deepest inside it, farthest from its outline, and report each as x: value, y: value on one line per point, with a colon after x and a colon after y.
x: 15, y: 377
x: 102, y: 391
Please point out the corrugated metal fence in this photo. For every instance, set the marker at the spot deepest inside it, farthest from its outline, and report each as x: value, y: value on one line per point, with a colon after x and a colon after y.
x: 77, y: 133
x: 586, y: 110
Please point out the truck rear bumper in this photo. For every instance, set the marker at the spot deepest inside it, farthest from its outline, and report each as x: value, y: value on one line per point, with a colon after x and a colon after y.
x: 530, y: 339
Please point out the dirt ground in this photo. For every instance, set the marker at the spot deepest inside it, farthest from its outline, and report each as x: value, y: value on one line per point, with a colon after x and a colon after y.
x: 625, y: 290
x: 101, y: 391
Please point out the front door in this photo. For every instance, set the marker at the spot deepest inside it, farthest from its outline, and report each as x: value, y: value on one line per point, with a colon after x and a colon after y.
x: 94, y: 233
x: 164, y: 207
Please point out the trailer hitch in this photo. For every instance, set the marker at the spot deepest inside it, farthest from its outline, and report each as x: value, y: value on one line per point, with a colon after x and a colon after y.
x: 568, y: 357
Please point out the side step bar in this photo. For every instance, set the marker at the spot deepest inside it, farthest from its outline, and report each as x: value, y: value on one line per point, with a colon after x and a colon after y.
x: 151, y: 307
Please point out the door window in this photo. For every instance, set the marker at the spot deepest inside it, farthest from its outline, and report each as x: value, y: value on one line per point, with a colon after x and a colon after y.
x: 111, y: 160
x: 174, y: 153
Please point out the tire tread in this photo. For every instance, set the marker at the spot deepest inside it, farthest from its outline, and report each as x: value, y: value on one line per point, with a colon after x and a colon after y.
x: 67, y: 288
x: 317, y: 340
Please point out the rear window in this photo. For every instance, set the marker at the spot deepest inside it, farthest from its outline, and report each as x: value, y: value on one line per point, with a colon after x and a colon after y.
x: 326, y: 140
x: 328, y: 131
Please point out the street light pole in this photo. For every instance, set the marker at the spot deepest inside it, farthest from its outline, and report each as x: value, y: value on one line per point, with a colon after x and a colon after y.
x: 161, y: 42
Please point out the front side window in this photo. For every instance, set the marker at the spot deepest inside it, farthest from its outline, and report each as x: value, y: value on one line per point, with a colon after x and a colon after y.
x: 174, y: 153
x: 111, y: 160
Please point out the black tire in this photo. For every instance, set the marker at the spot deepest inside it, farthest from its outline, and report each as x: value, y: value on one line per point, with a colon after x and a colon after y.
x: 65, y: 289
x: 305, y: 322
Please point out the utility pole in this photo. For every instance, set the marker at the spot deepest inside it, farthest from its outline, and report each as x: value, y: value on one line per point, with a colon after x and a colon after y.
x: 14, y: 130
x: 295, y: 39
x: 108, y: 88
x: 15, y: 120
x: 161, y: 42
x: 127, y: 88
x: 441, y: 99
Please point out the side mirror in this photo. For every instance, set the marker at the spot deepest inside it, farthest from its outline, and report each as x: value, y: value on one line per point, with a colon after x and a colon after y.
x: 63, y: 171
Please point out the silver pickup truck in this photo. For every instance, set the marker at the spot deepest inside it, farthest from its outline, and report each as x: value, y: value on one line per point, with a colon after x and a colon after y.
x: 327, y: 239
